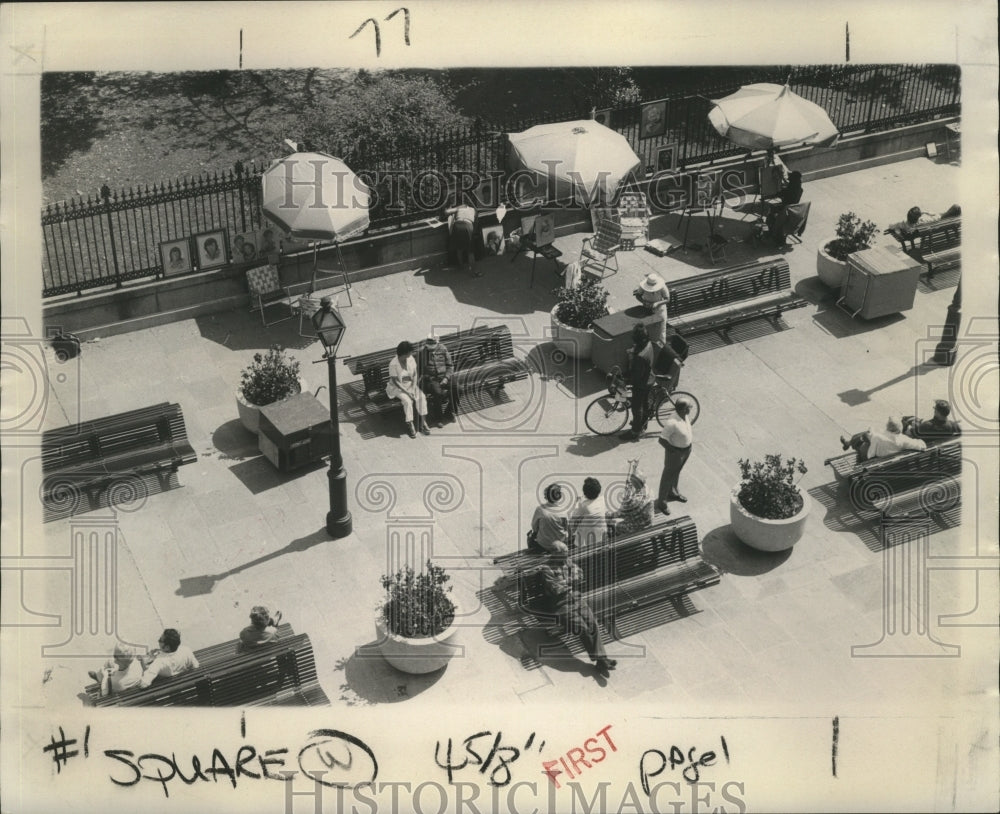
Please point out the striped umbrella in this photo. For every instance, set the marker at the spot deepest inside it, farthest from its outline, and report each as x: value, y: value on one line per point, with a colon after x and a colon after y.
x: 766, y: 116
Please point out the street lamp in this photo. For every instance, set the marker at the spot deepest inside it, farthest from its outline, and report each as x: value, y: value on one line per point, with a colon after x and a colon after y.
x: 330, y: 329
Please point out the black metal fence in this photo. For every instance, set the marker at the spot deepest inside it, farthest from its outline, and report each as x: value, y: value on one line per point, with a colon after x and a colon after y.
x: 115, y: 236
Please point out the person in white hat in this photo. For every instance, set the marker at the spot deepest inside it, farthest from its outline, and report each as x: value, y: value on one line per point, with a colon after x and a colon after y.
x: 654, y: 294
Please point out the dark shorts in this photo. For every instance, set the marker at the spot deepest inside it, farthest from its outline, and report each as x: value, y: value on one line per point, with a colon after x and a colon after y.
x: 461, y: 234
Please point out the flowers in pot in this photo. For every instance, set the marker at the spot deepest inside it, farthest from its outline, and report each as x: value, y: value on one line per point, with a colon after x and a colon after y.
x: 574, y: 315
x: 415, y: 621
x: 853, y: 235
x: 767, y: 509
x: 268, y: 378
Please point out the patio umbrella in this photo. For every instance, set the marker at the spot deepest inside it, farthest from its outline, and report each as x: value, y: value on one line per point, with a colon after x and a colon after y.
x: 583, y: 158
x: 315, y: 196
x: 764, y: 116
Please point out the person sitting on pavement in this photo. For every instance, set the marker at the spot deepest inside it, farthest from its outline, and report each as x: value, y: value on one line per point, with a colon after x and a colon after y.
x: 870, y: 444
x: 935, y: 429
x: 588, y: 520
x: 915, y: 216
x: 549, y: 527
x: 561, y: 580
x: 121, y: 672
x: 172, y: 659
x: 636, y: 511
x: 403, y: 386
x: 436, y: 369
x: 263, y: 629
x: 642, y: 355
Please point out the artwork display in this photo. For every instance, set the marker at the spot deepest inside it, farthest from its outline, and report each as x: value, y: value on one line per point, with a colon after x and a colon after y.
x: 545, y: 230
x: 267, y: 241
x: 654, y: 120
x: 493, y: 239
x: 666, y: 158
x: 245, y: 247
x: 175, y: 257
x: 211, y: 249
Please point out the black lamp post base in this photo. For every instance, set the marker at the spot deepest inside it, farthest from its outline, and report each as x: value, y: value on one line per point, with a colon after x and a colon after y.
x: 338, y: 527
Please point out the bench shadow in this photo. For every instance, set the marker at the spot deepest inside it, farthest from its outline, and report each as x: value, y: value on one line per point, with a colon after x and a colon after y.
x: 369, y: 679
x: 201, y: 585
x: 948, y: 278
x: 724, y: 550
x: 126, y: 493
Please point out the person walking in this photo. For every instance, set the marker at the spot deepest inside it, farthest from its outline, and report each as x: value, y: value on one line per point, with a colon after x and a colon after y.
x: 642, y: 378
x: 403, y: 386
x: 676, y: 440
x: 436, y: 368
x: 561, y: 580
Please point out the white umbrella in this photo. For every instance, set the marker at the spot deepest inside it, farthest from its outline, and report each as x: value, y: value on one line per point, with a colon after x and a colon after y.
x: 764, y: 116
x: 582, y: 157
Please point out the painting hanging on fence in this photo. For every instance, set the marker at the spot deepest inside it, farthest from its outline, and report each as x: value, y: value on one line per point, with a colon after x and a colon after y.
x: 654, y: 120
x: 666, y: 158
x: 175, y: 257
x: 267, y: 243
x: 245, y: 247
x: 210, y: 249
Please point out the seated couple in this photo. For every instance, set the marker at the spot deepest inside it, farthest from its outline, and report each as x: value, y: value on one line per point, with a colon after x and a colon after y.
x: 908, y: 433
x: 917, y: 217
x: 127, y: 670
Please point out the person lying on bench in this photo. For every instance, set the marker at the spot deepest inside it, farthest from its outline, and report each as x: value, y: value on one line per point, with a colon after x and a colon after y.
x: 938, y: 428
x: 172, y: 659
x: 263, y: 629
x: 917, y: 217
x: 561, y: 579
x: 549, y: 527
x: 870, y: 444
x: 121, y: 672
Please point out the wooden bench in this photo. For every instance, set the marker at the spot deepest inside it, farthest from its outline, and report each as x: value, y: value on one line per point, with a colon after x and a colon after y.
x: 720, y: 299
x: 280, y: 673
x: 83, y: 459
x: 636, y: 572
x: 938, y: 244
x: 483, y: 359
x: 511, y: 564
x: 927, y: 480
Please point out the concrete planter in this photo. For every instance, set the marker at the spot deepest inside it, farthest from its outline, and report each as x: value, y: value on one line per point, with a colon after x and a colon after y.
x: 250, y: 413
x: 831, y: 272
x: 417, y: 656
x: 768, y: 535
x: 575, y: 342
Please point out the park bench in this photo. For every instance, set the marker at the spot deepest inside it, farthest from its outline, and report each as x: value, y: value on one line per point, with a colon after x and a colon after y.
x: 280, y: 673
x: 938, y: 244
x: 720, y: 299
x: 483, y: 359
x: 83, y: 459
x: 511, y: 564
x: 926, y: 480
x: 634, y: 573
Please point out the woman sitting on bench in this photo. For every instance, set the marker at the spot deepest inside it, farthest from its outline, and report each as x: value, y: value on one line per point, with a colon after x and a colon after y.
x: 403, y: 386
x: 917, y: 217
x: 870, y: 444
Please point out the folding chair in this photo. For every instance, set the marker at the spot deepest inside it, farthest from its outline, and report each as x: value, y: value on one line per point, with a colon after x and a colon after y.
x: 266, y: 290
x: 796, y: 218
x: 600, y: 249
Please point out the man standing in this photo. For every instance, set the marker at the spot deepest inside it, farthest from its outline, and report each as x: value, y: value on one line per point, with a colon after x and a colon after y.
x: 642, y: 379
x: 436, y: 369
x: 561, y: 579
x: 676, y: 441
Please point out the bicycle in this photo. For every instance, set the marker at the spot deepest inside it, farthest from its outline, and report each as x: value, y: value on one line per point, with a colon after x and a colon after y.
x: 607, y: 414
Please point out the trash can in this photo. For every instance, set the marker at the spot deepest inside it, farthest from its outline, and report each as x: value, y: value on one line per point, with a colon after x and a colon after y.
x: 613, y: 336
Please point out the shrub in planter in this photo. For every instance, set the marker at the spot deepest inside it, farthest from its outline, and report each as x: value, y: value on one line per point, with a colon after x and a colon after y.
x: 768, y: 489
x: 269, y: 378
x: 579, y: 307
x: 418, y: 605
x: 853, y: 235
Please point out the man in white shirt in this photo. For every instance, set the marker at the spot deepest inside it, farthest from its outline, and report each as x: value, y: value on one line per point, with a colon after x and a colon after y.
x: 676, y: 440
x: 120, y: 673
x: 870, y: 444
x: 588, y: 523
x: 173, y: 658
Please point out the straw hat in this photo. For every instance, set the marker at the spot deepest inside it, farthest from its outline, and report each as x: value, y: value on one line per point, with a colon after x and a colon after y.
x: 653, y: 282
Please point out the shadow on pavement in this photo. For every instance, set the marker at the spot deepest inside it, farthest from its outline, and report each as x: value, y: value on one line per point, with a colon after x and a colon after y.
x: 238, y: 330
x: 234, y: 441
x: 724, y: 550
x: 370, y: 679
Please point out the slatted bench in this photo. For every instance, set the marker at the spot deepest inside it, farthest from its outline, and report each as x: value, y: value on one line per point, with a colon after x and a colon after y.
x: 937, y: 244
x: 635, y: 573
x: 483, y: 359
x: 81, y: 460
x: 720, y: 299
x: 523, y: 559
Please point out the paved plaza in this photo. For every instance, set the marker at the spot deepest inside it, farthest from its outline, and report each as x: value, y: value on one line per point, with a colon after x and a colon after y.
x: 236, y: 533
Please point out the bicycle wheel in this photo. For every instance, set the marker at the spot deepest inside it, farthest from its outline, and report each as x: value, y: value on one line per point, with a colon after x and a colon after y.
x: 665, y: 409
x: 605, y: 415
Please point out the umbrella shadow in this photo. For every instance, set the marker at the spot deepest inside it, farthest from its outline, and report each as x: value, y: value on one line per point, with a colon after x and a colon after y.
x: 504, y: 287
x: 240, y: 330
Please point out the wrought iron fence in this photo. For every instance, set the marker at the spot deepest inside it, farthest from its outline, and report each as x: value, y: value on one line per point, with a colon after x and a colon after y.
x: 115, y: 236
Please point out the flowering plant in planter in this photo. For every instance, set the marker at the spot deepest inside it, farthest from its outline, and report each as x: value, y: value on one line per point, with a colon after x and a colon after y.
x: 417, y: 605
x: 270, y: 377
x: 768, y: 487
x: 579, y: 307
x: 853, y: 235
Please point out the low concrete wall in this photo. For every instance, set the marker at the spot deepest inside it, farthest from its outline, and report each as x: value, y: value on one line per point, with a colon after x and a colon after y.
x: 143, y: 305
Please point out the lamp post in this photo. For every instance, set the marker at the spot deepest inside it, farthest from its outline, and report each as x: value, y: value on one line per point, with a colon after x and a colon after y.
x: 330, y: 329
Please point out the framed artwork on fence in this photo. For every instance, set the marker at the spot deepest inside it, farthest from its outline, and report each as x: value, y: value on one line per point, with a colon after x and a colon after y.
x: 210, y: 249
x: 493, y: 239
x: 175, y: 257
x: 654, y: 120
x: 245, y: 247
x: 267, y: 242
x: 666, y: 158
x: 545, y: 230
x: 603, y: 117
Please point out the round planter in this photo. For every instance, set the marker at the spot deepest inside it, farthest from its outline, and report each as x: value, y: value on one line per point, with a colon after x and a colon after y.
x: 768, y: 535
x: 250, y: 413
x: 417, y: 656
x: 831, y: 272
x: 575, y: 342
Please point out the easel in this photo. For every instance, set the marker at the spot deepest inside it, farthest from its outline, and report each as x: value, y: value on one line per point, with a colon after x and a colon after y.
x: 309, y: 303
